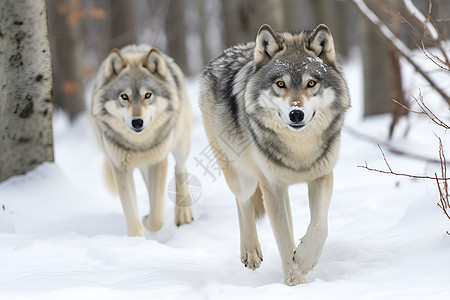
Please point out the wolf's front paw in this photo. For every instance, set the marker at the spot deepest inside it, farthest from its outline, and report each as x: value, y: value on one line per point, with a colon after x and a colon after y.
x: 136, y: 230
x: 251, y: 258
x: 294, y: 277
x: 152, y: 223
x: 183, y: 215
x: 305, y: 258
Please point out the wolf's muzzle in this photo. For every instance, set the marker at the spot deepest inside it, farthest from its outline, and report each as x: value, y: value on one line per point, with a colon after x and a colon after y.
x: 296, y: 116
x: 137, y: 125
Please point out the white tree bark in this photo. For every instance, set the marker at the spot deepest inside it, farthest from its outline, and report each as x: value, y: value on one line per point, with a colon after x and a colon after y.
x: 26, y: 107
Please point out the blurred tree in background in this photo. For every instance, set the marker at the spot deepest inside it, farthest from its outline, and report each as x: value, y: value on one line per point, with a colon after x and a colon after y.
x: 82, y: 32
x: 67, y: 48
x: 242, y: 18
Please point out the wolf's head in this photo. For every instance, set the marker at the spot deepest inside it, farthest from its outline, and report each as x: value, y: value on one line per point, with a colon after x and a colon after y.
x: 297, y: 75
x: 136, y: 87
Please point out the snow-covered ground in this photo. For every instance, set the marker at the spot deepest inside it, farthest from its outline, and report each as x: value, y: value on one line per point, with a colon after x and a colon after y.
x: 62, y: 235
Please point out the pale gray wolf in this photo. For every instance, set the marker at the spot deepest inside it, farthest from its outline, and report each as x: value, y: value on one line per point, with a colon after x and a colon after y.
x: 140, y: 114
x: 273, y: 111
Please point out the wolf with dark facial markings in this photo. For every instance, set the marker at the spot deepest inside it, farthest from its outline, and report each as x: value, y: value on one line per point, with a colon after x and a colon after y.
x: 140, y: 114
x: 274, y: 109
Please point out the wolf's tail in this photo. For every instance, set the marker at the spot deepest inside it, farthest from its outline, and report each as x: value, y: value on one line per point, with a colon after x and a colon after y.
x: 258, y: 204
x: 109, y: 178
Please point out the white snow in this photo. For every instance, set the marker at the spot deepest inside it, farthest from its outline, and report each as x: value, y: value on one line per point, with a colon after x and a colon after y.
x: 63, y: 235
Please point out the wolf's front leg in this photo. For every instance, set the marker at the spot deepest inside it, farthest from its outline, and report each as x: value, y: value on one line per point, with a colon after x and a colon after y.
x: 183, y: 206
x: 309, y: 250
x: 125, y: 184
x: 275, y: 201
x: 155, y: 179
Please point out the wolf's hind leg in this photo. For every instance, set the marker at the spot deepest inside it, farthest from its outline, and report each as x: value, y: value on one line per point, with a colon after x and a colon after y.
x: 155, y: 179
x: 248, y: 211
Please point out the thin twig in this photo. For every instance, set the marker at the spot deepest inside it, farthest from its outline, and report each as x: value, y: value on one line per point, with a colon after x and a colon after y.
x: 390, y: 148
x: 400, y: 174
x: 425, y: 111
x: 444, y: 197
x: 384, y: 157
x: 434, y: 58
x: 429, y: 113
x: 429, y: 27
x: 391, y: 172
x: 445, y: 20
x: 408, y: 108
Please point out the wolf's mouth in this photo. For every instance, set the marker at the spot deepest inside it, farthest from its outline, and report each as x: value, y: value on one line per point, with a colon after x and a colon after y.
x: 297, y: 126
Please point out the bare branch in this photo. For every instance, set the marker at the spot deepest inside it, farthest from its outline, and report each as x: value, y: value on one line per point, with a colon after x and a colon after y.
x: 435, y: 59
x: 430, y: 30
x: 446, y: 20
x: 444, y: 197
x: 402, y: 174
x: 429, y: 113
x: 397, y: 44
x: 384, y: 157
x: 391, y: 172
x: 407, y: 108
x: 428, y: 27
x: 391, y: 148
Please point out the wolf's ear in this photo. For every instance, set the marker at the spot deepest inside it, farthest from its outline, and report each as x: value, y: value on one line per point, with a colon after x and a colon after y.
x: 114, y: 63
x: 268, y: 43
x: 155, y: 63
x: 321, y: 43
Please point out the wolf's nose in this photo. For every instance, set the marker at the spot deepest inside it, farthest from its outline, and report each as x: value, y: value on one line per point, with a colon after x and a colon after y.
x: 296, y: 116
x: 137, y: 124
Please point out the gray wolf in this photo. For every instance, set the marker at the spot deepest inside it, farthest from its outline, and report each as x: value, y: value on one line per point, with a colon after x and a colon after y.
x: 140, y: 114
x: 273, y: 112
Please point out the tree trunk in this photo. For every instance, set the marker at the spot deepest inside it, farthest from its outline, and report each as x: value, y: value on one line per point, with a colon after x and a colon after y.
x: 397, y: 92
x: 242, y: 18
x: 176, y: 34
x: 382, y: 77
x: 96, y: 42
x: 299, y: 15
x: 123, y: 23
x: 203, y: 30
x: 376, y: 69
x: 66, y: 43
x: 26, y: 107
x: 337, y: 15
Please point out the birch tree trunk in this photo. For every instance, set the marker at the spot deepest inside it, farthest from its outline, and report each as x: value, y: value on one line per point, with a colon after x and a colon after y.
x: 26, y: 108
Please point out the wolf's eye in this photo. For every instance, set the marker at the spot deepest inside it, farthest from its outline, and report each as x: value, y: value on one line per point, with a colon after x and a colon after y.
x: 281, y: 84
x: 147, y: 95
x: 124, y: 97
x: 311, y: 83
